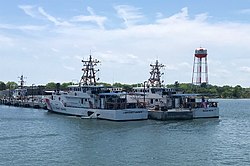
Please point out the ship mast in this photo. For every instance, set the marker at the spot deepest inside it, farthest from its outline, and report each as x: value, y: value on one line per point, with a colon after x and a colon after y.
x: 155, y: 75
x: 21, y: 81
x: 89, y: 72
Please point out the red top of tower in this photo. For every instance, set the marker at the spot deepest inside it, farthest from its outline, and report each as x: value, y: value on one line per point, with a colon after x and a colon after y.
x: 200, y: 52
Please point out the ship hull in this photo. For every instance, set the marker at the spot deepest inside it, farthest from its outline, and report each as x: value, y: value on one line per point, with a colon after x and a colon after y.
x: 209, y: 112
x: 114, y: 115
x: 183, y: 114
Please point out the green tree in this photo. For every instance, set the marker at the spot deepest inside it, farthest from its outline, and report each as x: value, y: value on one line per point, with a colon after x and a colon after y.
x: 222, y: 92
x: 65, y: 85
x: 246, y: 93
x: 203, y: 85
x: 2, y: 85
x: 227, y: 92
x: 117, y: 85
x: 237, y: 91
x: 139, y: 84
x: 126, y: 87
x: 11, y: 85
x: 213, y: 90
x: 103, y: 83
x: 187, y: 88
x: 50, y: 86
x: 176, y: 84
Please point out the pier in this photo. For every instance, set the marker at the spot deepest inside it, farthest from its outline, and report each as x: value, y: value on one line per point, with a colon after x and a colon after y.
x: 23, y: 103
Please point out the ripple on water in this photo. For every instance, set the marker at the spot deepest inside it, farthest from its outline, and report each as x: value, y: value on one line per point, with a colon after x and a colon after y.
x: 39, y: 138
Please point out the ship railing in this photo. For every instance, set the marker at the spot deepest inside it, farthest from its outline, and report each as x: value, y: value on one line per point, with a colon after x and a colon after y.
x: 115, y: 105
x: 123, y: 105
x: 199, y: 104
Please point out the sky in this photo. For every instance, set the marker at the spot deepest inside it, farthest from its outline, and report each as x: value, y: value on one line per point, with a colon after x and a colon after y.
x: 45, y: 40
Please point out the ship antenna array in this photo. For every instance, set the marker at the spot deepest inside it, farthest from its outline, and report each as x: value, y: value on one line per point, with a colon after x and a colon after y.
x: 22, y: 81
x: 89, y: 71
x: 155, y: 75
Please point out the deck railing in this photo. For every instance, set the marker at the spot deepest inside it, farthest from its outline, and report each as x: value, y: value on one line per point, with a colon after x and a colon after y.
x: 199, y: 104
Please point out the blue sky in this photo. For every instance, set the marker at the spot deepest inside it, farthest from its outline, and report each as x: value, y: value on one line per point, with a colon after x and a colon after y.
x: 46, y: 40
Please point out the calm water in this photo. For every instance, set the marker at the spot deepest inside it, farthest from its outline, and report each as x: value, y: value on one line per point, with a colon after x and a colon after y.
x: 35, y: 137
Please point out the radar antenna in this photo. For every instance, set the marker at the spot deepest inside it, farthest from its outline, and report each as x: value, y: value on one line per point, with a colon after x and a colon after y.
x: 21, y: 81
x: 155, y: 75
x: 89, y: 72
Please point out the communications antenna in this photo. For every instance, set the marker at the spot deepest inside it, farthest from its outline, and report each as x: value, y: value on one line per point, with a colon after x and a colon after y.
x: 155, y: 75
x: 22, y: 81
x: 89, y: 72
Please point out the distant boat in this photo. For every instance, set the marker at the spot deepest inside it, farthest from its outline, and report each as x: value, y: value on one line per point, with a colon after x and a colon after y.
x: 185, y: 106
x: 198, y: 104
x: 20, y: 92
x: 152, y: 94
x: 158, y: 98
x: 89, y: 100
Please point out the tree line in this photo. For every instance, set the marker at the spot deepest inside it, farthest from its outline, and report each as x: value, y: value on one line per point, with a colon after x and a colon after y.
x: 225, y: 91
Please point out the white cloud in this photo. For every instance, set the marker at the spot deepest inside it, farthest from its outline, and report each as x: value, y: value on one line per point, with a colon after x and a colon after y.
x: 244, y: 11
x: 129, y: 14
x: 181, y: 16
x: 159, y: 15
x: 35, y: 57
x: 29, y: 10
x: 69, y: 68
x: 245, y: 69
x: 223, y: 72
x: 90, y: 10
x: 53, y: 19
x: 65, y: 57
x: 132, y: 56
x: 99, y: 20
x: 32, y: 28
x: 171, y: 67
x: 54, y: 50
x: 117, y: 58
x: 40, y: 13
x: 49, y: 17
x: 123, y: 51
x: 185, y: 65
x: 23, y: 27
x: 77, y: 57
x: 5, y: 40
x: 201, y: 17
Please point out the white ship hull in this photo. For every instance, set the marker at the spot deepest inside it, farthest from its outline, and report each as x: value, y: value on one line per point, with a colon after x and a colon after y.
x: 209, y: 112
x: 116, y: 115
x: 123, y: 114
